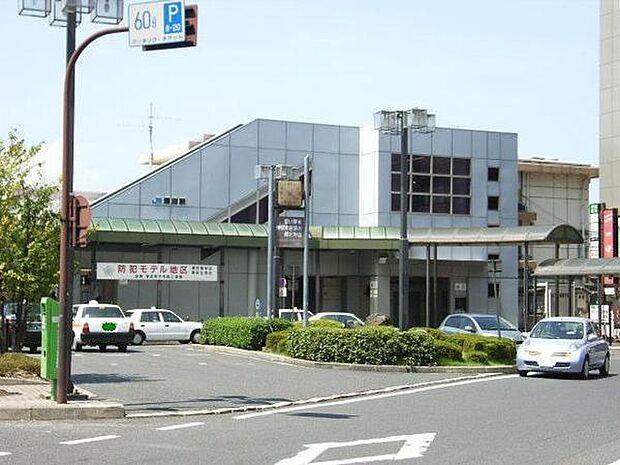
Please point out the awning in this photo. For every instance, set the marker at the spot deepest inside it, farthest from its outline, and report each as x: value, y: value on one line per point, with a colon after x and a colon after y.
x: 212, y: 234
x: 578, y: 267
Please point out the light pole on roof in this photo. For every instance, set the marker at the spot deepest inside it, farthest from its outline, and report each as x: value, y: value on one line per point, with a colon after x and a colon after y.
x: 401, y: 122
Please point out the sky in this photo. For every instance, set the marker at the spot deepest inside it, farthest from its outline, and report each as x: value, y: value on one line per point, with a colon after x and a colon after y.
x: 524, y: 66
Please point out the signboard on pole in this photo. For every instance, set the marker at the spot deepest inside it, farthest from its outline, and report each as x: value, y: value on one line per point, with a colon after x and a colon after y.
x: 595, y: 218
x: 156, y: 272
x: 152, y: 23
x: 290, y: 232
x: 610, y: 238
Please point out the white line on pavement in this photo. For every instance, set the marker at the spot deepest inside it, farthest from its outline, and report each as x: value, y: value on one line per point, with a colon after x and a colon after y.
x: 84, y: 441
x: 617, y: 462
x: 202, y: 363
x: 184, y: 425
x: 2, y: 454
x: 371, y: 397
x: 155, y: 355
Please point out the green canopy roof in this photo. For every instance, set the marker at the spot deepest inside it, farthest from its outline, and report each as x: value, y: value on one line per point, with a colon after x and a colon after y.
x: 209, y: 234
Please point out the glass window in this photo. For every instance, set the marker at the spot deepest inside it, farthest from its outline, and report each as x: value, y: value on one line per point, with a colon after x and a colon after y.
x: 441, y: 204
x: 441, y: 185
x: 396, y: 162
x: 150, y: 317
x: 395, y: 202
x: 441, y: 165
x: 421, y: 184
x: 170, y: 317
x: 421, y: 164
x: 452, y: 322
x: 460, y: 205
x: 489, y: 323
x: 420, y: 203
x: 460, y: 186
x: 493, y: 174
x: 461, y: 166
x: 102, y: 312
x: 558, y: 330
x: 395, y: 182
x: 493, y: 203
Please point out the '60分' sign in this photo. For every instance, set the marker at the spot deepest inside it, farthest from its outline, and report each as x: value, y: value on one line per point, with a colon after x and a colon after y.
x: 153, y: 23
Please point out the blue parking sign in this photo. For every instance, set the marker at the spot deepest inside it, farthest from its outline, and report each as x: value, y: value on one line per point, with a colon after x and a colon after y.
x: 174, y: 17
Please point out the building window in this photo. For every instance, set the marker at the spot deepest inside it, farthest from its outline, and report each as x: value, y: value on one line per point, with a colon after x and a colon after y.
x: 493, y: 174
x: 493, y: 204
x: 421, y: 203
x: 175, y: 200
x: 493, y: 257
x: 438, y: 185
x: 166, y: 200
x: 491, y: 289
x: 181, y: 200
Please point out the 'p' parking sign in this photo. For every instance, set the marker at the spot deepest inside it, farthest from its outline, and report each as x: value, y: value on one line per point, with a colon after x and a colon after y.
x: 153, y: 23
x: 174, y: 17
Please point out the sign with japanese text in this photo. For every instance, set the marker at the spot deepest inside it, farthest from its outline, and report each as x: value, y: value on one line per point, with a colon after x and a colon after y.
x: 595, y: 225
x: 290, y: 232
x: 610, y: 238
x: 156, y: 271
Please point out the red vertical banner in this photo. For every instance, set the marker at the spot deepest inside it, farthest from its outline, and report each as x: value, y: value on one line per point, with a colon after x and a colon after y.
x: 610, y: 237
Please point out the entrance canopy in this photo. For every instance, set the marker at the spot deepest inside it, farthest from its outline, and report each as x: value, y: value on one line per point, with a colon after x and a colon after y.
x: 579, y: 267
x: 209, y: 234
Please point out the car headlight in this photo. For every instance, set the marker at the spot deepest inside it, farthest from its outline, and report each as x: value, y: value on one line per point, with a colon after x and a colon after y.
x: 575, y: 346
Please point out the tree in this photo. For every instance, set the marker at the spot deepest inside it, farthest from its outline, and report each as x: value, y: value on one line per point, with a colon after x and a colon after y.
x: 29, y: 230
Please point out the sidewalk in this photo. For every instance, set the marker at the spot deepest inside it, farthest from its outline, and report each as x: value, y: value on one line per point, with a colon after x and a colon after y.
x: 26, y: 399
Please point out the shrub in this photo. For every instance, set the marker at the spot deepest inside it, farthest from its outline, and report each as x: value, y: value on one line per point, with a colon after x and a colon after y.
x: 449, y: 350
x: 436, y: 333
x: 498, y: 350
x: 277, y: 342
x: 240, y: 332
x: 324, y: 323
x: 476, y: 356
x: 372, y: 345
x: 12, y: 364
x: 464, y: 341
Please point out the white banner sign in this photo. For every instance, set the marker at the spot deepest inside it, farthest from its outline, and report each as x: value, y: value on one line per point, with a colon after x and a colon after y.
x: 156, y: 272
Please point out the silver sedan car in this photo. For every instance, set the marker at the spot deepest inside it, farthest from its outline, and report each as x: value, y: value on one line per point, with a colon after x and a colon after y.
x: 564, y: 345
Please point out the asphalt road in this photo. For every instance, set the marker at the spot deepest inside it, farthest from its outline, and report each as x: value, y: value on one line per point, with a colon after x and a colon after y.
x: 503, y: 420
x: 155, y: 378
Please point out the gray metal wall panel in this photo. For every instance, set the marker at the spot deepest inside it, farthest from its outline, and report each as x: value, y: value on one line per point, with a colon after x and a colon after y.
x: 299, y: 136
x: 122, y: 211
x: 326, y: 138
x: 271, y: 156
x: 247, y: 136
x: 349, y: 140
x: 186, y: 180
x: 442, y: 141
x: 325, y: 183
x: 348, y: 185
x: 461, y: 143
x: 272, y: 134
x: 242, y: 166
x: 215, y: 169
x: 479, y: 144
x: 493, y: 147
x: 158, y: 185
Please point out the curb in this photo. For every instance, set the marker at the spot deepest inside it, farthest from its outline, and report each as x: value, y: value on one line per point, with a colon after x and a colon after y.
x: 311, y: 401
x: 98, y: 411
x: 466, y: 370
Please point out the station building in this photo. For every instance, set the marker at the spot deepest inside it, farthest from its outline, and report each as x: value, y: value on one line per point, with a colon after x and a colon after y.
x: 206, y: 209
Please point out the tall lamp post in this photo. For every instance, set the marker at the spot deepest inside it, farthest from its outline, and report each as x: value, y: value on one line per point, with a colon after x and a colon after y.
x: 401, y: 122
x: 68, y: 13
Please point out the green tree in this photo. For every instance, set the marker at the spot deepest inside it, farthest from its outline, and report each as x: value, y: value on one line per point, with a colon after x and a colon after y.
x: 29, y: 229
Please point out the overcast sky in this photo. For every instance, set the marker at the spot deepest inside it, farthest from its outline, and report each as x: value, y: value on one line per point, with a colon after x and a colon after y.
x: 524, y: 66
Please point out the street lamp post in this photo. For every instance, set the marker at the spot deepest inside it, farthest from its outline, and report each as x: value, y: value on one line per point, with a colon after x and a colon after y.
x: 68, y: 13
x: 394, y: 123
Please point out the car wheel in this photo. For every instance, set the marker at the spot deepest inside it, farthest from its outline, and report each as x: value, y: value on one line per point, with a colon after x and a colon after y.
x: 523, y: 373
x: 585, y: 370
x: 103, y: 347
x: 604, y: 369
x: 138, y: 338
x: 122, y: 348
x: 78, y: 347
x: 195, y: 337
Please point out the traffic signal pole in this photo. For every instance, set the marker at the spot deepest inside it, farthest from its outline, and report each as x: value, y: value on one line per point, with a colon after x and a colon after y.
x: 65, y: 285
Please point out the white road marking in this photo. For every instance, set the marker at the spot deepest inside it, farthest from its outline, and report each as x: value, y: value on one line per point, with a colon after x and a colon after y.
x: 84, y: 441
x: 114, y: 364
x: 3, y: 454
x: 155, y: 355
x: 413, y: 390
x: 617, y: 462
x: 202, y: 363
x: 414, y: 446
x: 184, y: 425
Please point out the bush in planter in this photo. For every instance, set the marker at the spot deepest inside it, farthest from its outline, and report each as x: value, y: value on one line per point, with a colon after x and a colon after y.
x: 277, y: 342
x: 476, y: 356
x: 436, y: 333
x: 499, y: 350
x: 240, y: 332
x: 372, y: 345
x: 449, y: 350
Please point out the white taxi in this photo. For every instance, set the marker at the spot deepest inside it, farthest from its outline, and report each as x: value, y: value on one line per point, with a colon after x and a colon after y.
x: 158, y: 324
x: 101, y: 325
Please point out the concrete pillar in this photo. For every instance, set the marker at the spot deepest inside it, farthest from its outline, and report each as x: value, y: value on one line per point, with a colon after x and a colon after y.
x: 252, y: 280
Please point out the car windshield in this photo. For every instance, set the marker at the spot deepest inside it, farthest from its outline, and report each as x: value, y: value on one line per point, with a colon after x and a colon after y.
x: 558, y: 330
x: 103, y: 312
x: 489, y: 323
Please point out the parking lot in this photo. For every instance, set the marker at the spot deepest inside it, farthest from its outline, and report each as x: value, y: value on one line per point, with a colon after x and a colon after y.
x: 172, y: 377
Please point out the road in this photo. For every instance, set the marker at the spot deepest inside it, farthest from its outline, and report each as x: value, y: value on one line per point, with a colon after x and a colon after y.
x: 506, y: 419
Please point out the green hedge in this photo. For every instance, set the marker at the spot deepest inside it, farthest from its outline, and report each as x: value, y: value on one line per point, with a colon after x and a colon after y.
x: 476, y: 356
x: 370, y: 345
x: 241, y: 332
x: 277, y: 342
x: 498, y: 350
x: 449, y: 350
